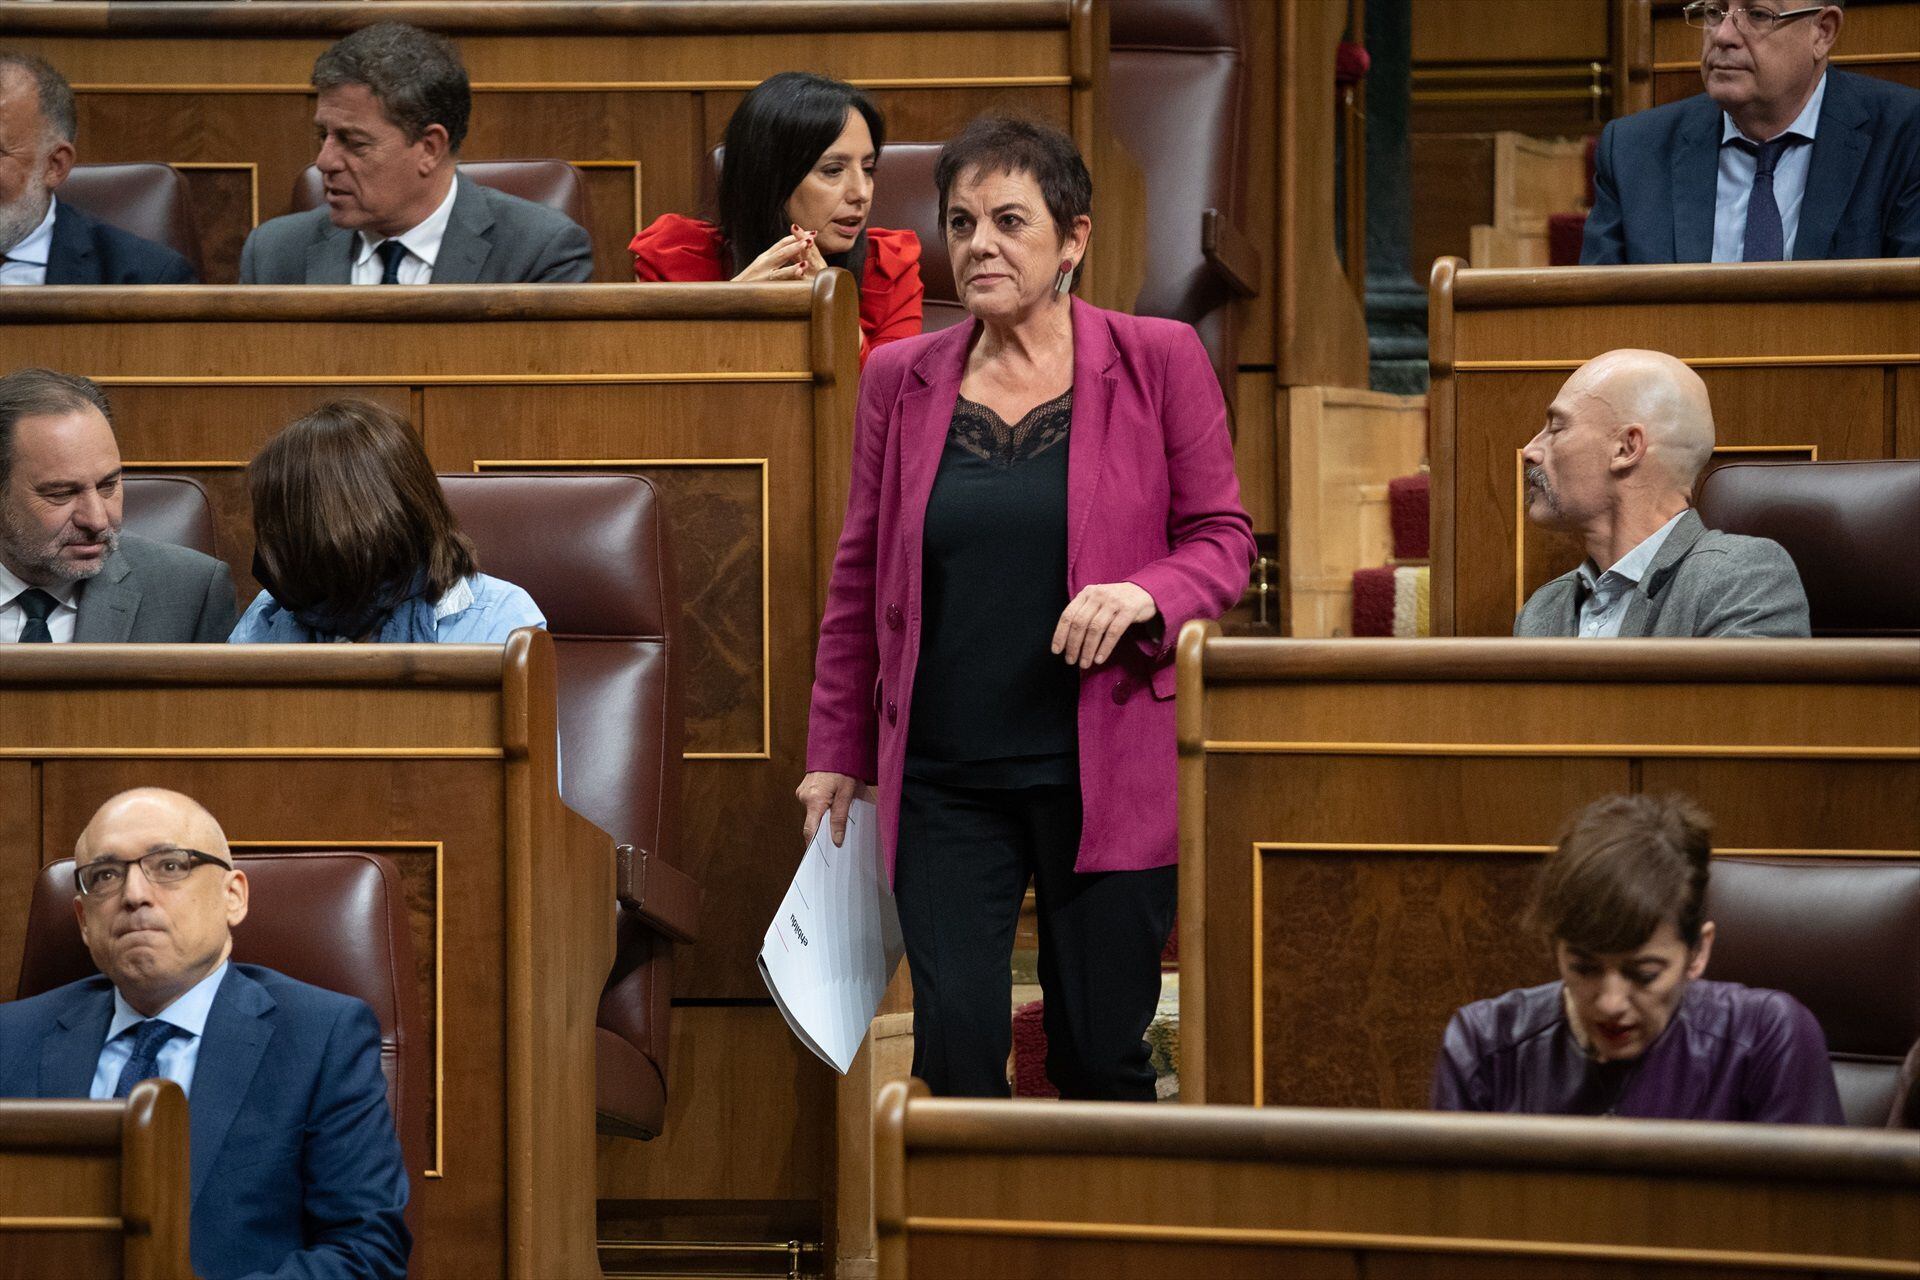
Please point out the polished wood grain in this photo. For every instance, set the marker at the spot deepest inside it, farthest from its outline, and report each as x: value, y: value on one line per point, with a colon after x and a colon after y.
x: 1480, y: 67
x: 972, y: 1188
x: 1801, y: 359
x: 1360, y: 821
x: 352, y: 746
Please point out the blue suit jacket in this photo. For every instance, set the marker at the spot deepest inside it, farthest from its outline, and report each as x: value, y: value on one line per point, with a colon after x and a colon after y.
x: 296, y: 1168
x: 88, y: 251
x: 1656, y: 171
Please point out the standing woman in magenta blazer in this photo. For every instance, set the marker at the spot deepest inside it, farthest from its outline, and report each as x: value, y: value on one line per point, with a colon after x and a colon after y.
x: 794, y: 198
x: 1039, y: 500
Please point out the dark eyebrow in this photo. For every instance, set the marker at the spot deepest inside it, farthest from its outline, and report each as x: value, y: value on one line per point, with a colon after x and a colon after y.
x: 1011, y: 206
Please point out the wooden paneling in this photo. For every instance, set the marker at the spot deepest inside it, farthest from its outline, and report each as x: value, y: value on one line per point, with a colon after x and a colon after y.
x: 378, y: 739
x: 1880, y: 39
x: 1480, y: 65
x: 1804, y: 359
x: 1360, y: 823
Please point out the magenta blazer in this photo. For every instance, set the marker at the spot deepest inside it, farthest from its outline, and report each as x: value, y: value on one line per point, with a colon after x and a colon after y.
x: 1151, y: 499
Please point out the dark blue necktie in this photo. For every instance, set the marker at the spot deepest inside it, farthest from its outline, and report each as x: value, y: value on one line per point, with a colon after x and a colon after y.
x: 1765, y: 241
x: 149, y: 1038
x: 391, y: 251
x: 37, y: 605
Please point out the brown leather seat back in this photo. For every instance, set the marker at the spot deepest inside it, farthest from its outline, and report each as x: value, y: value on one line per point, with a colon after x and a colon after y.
x: 1177, y: 70
x: 1851, y: 528
x: 592, y: 550
x: 1843, y: 938
x: 553, y: 183
x: 150, y: 200
x: 333, y: 919
x: 170, y: 509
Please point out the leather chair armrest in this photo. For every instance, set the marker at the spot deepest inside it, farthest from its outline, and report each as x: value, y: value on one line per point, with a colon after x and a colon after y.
x: 1230, y: 252
x: 666, y: 898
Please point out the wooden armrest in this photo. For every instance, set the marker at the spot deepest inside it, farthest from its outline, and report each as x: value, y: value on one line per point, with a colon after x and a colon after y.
x: 1229, y: 252
x: 665, y: 897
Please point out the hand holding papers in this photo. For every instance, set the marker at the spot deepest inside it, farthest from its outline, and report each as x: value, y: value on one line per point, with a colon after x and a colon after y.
x: 835, y: 942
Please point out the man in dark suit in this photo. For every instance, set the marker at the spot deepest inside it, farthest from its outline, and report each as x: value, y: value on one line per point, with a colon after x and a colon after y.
x: 66, y: 570
x: 1780, y: 158
x: 44, y: 240
x: 295, y: 1167
x: 392, y: 112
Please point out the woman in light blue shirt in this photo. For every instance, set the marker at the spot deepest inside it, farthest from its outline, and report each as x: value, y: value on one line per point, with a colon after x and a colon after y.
x: 354, y: 541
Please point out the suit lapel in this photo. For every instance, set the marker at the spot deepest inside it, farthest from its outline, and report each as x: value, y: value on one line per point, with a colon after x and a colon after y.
x: 1093, y: 355
x: 330, y: 258
x: 231, y: 1046
x: 108, y: 603
x: 70, y: 1056
x: 1643, y: 606
x: 465, y: 246
x: 1839, y: 152
x: 1695, y: 178
x: 69, y: 253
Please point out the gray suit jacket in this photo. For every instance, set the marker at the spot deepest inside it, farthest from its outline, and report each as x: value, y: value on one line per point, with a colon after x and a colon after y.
x: 492, y: 238
x: 156, y: 593
x: 1703, y: 583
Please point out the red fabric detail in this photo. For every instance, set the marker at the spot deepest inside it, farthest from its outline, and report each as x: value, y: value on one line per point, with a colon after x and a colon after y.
x: 1030, y: 1054
x: 680, y: 250
x: 1408, y: 501
x: 1565, y: 231
x: 1373, y: 602
x: 1350, y: 62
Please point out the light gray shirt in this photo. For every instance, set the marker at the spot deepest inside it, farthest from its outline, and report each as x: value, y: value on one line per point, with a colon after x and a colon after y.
x: 1735, y: 183
x: 1605, y: 596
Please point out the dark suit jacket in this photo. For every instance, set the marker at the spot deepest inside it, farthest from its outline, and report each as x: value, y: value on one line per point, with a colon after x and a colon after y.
x: 156, y: 593
x: 88, y: 251
x: 296, y: 1168
x: 491, y: 238
x: 1656, y: 171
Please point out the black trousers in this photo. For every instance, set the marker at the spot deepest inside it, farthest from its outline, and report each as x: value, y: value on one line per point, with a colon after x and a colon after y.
x: 965, y: 857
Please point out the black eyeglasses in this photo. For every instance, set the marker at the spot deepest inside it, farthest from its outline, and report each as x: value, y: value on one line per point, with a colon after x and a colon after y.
x: 104, y: 877
x: 1758, y: 23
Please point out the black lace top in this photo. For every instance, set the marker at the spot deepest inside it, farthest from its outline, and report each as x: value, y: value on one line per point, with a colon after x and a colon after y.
x: 992, y: 705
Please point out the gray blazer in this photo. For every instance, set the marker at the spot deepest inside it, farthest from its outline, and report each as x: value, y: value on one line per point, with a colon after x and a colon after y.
x: 492, y: 238
x: 1703, y: 583
x: 156, y: 593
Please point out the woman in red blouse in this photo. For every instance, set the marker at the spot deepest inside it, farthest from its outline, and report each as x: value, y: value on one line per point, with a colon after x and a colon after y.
x: 794, y: 198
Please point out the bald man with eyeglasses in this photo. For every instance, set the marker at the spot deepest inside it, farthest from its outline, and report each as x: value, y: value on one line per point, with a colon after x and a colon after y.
x: 296, y: 1167
x: 1783, y: 157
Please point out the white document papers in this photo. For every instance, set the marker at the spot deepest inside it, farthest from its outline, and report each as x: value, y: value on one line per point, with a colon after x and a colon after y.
x: 835, y: 942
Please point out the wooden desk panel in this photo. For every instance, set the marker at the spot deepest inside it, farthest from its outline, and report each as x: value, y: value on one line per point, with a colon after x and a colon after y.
x: 1802, y: 360
x: 1361, y: 821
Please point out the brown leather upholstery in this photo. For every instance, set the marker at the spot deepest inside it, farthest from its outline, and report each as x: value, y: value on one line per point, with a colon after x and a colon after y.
x: 592, y: 551
x: 150, y: 200
x: 1851, y: 528
x: 553, y: 183
x: 1843, y: 938
x: 169, y: 509
x: 1179, y: 86
x: 1906, y: 1101
x: 336, y: 920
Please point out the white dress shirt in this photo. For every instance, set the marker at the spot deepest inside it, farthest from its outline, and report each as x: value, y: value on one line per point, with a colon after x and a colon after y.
x: 422, y: 245
x: 1735, y: 184
x: 1604, y: 596
x: 27, y: 261
x: 177, y: 1057
x: 13, y: 619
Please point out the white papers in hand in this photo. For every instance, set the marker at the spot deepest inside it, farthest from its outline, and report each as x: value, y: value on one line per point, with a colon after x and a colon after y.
x: 835, y: 942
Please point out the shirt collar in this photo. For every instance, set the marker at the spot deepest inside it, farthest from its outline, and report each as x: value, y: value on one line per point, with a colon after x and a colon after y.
x: 189, y: 1012
x: 11, y: 585
x: 458, y: 598
x: 1632, y: 566
x: 1803, y: 124
x: 38, y: 246
x: 423, y: 239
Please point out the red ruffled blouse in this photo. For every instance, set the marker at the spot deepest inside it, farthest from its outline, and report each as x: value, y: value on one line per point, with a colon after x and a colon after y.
x: 680, y: 249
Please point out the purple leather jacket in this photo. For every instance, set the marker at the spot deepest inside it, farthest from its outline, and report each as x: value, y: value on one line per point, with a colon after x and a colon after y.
x: 1730, y: 1053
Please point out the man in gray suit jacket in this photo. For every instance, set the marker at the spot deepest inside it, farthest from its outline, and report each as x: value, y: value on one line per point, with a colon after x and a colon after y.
x: 1615, y: 465
x: 392, y: 112
x: 67, y: 573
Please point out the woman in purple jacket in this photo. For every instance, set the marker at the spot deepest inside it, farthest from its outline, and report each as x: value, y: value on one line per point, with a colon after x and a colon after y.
x: 1039, y: 500
x: 1631, y: 1028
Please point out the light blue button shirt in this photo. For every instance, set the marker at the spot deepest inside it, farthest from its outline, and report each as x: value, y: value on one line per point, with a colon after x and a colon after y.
x: 475, y: 610
x: 1735, y: 183
x: 178, y: 1056
x: 1603, y: 604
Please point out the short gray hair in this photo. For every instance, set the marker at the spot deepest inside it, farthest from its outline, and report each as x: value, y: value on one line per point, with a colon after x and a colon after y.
x: 41, y: 393
x: 416, y: 76
x: 56, y: 95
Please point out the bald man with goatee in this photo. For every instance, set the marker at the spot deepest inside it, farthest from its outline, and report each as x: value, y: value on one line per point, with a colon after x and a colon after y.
x: 1625, y: 440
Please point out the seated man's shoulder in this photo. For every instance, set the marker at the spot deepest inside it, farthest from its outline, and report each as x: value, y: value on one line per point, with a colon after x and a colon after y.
x: 288, y: 232
x: 19, y: 1017
x: 1734, y: 548
x: 1657, y: 124
x: 315, y: 1005
x: 132, y: 259
x: 146, y: 555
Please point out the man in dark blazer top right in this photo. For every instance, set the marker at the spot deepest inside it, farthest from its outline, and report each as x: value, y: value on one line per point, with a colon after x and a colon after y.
x: 1781, y: 157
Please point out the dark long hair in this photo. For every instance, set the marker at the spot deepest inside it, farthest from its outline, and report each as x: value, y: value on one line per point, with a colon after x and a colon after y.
x: 348, y: 515
x: 777, y: 134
